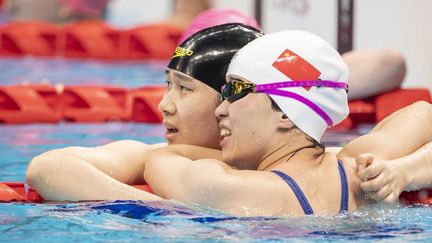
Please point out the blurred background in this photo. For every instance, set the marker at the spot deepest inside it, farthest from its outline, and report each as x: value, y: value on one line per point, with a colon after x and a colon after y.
x: 402, y: 25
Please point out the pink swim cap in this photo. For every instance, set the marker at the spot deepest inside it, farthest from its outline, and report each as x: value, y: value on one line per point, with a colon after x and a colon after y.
x: 213, y: 17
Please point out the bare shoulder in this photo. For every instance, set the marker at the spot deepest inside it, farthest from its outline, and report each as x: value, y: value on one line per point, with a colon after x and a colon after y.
x: 240, y: 192
x: 132, y: 144
x: 421, y: 105
x: 347, y: 159
x: 333, y: 150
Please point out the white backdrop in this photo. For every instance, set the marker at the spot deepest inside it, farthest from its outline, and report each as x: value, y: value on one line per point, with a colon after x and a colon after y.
x: 404, y: 25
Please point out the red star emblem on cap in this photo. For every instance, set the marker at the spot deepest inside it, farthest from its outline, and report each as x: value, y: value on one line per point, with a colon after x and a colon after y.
x: 295, y: 67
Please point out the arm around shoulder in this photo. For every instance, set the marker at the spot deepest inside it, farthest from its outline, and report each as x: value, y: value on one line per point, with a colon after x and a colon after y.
x: 212, y: 183
x: 82, y: 173
x: 396, y: 136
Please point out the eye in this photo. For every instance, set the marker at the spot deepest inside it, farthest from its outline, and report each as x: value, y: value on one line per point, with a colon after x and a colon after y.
x: 184, y: 88
x: 168, y: 84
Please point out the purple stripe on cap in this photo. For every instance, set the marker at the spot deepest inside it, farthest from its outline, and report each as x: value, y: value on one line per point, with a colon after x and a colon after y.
x: 303, y: 100
x: 302, y: 83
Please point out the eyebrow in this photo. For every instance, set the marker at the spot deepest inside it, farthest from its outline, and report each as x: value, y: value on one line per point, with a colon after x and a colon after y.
x: 179, y: 77
x: 184, y: 78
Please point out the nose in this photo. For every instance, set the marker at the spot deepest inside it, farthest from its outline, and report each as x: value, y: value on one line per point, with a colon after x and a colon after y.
x: 166, y: 105
x: 222, y: 110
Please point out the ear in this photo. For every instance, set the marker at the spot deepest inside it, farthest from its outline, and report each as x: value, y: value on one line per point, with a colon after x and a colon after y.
x: 285, y: 122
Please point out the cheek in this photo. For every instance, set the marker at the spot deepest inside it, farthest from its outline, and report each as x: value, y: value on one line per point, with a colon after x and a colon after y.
x: 252, y: 125
x: 206, y: 119
x: 199, y: 122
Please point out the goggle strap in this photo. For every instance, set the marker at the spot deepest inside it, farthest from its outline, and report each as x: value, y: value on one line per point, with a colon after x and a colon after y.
x: 302, y: 83
x: 303, y: 100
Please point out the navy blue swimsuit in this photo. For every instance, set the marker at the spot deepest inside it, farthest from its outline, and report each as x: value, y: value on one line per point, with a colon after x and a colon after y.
x: 302, y: 198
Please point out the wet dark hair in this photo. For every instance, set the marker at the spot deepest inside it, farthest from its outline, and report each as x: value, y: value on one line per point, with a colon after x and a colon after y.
x: 315, y: 144
x: 206, y: 54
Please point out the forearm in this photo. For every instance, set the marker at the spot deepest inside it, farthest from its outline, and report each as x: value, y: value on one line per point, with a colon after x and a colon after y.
x: 81, y: 182
x: 398, y: 135
x: 417, y: 167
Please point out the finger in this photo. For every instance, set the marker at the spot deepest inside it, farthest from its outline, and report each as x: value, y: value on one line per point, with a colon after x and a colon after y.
x: 391, y: 198
x: 379, y: 195
x: 363, y: 160
x: 372, y: 171
x: 382, y: 194
x: 374, y: 184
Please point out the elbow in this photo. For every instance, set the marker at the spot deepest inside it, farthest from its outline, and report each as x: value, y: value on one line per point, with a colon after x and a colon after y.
x: 422, y: 109
x: 40, y: 170
x: 423, y: 105
x: 395, y: 61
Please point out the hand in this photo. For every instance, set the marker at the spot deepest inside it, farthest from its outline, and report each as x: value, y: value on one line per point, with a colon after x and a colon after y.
x: 382, y: 180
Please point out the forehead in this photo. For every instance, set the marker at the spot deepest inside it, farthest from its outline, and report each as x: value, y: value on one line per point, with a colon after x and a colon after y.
x: 177, y: 76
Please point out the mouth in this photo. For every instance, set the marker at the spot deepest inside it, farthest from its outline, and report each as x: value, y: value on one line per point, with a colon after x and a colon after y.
x: 170, y: 132
x: 224, y: 133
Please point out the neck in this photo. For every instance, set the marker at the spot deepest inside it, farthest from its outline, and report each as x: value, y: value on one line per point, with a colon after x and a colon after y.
x: 297, y: 150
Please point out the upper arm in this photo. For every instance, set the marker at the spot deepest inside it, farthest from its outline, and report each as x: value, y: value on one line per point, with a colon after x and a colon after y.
x: 400, y: 134
x: 193, y: 152
x: 211, y: 183
x: 174, y: 176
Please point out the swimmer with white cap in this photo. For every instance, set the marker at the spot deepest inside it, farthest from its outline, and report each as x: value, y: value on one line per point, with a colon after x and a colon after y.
x: 283, y: 91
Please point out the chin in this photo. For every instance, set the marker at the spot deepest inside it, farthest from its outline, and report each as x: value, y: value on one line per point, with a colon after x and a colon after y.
x: 229, y: 160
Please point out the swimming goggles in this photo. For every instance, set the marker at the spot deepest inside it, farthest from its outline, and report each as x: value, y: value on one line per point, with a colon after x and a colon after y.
x: 235, y: 90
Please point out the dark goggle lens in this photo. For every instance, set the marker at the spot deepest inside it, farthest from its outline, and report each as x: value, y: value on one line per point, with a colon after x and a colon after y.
x: 236, y: 90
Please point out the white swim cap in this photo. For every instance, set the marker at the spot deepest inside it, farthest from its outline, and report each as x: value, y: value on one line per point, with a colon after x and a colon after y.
x: 297, y: 56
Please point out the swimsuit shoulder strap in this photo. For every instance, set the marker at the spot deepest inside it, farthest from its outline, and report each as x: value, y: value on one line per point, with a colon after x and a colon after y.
x: 302, y: 198
x: 344, y: 188
x: 297, y: 191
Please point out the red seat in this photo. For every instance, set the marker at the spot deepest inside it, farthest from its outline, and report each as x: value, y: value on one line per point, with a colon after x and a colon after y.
x: 417, y: 197
x: 31, y: 103
x: 28, y: 38
x: 17, y: 191
x: 145, y: 103
x: 89, y: 39
x: 94, y: 104
x: 390, y: 102
x: 361, y: 111
x: 157, y: 41
x: 375, y: 109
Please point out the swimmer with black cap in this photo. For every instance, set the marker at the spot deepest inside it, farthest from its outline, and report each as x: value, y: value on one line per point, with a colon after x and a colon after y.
x: 194, y: 76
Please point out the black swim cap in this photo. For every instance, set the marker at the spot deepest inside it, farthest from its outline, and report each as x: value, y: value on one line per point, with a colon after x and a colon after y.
x: 206, y: 54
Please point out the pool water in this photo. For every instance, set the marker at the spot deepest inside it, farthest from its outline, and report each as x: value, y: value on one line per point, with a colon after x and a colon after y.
x: 126, y: 221
x: 20, y: 143
x: 128, y: 74
x: 131, y: 221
